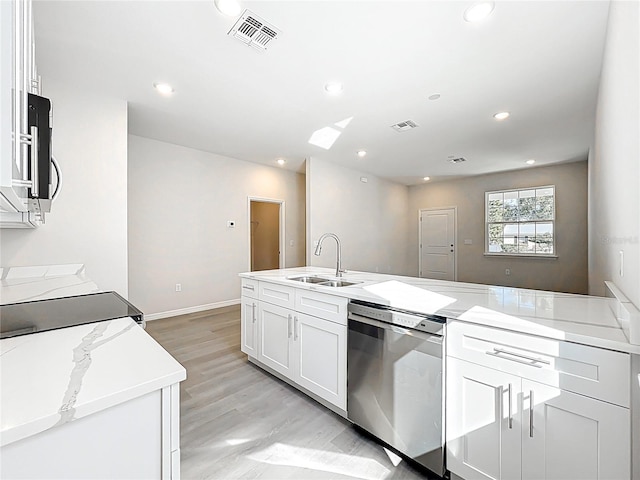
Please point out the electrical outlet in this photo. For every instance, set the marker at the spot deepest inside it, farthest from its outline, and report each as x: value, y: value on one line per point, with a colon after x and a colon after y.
x: 178, y: 287
x: 291, y: 243
x: 507, y: 271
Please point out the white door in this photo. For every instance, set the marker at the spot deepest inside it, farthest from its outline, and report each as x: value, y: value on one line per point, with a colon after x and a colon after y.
x: 276, y: 338
x: 249, y: 327
x: 572, y: 437
x: 438, y: 243
x: 321, y: 355
x: 483, y: 424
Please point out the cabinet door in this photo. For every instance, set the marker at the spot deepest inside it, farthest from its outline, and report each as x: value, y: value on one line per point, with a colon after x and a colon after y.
x: 321, y: 357
x: 249, y: 326
x: 572, y: 437
x: 275, y: 332
x: 483, y: 424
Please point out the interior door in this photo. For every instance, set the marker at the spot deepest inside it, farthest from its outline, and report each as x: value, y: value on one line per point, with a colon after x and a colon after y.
x: 437, y: 244
x: 265, y: 235
x: 483, y: 422
x: 572, y: 437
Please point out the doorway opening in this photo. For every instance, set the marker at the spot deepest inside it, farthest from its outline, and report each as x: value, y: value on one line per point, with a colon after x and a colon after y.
x: 266, y: 234
x: 437, y: 243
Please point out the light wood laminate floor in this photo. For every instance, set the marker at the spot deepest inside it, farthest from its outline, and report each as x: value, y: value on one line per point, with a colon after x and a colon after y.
x: 240, y: 422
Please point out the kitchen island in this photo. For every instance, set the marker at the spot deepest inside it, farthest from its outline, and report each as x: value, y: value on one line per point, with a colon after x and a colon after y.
x: 99, y: 400
x: 538, y: 384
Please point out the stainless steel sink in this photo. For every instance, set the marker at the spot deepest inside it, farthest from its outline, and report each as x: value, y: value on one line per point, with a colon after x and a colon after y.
x: 308, y: 279
x: 325, y: 282
x: 337, y: 283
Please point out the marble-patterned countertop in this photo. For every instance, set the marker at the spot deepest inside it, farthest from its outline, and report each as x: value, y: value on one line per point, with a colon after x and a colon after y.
x: 40, y: 282
x: 576, y: 318
x: 54, y: 377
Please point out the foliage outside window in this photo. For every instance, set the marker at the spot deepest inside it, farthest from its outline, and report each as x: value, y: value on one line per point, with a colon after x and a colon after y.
x: 521, y: 222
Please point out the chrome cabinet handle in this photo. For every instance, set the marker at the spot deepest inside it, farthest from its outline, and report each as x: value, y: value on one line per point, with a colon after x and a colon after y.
x: 497, y: 352
x: 34, y: 162
x: 289, y: 325
x: 510, y: 412
x: 253, y: 315
x: 295, y: 328
x: 248, y: 287
x: 531, y: 413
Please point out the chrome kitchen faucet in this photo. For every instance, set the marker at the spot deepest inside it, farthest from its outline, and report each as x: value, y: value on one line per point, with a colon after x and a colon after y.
x: 339, y: 271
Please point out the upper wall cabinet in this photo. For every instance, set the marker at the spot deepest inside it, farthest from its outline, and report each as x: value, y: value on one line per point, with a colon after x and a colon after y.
x: 19, y: 149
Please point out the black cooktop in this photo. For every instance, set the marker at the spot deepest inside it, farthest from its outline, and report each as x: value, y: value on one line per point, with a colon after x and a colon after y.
x: 42, y: 315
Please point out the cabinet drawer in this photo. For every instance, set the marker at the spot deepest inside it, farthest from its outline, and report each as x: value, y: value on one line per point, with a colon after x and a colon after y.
x: 249, y: 287
x: 277, y: 294
x: 322, y: 305
x: 591, y: 371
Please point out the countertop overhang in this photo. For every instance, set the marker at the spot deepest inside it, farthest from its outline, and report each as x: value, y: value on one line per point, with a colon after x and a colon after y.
x: 55, y: 377
x: 575, y: 318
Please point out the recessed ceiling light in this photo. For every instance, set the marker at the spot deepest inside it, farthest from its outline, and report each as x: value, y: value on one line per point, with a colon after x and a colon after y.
x: 530, y: 162
x: 361, y: 153
x: 435, y: 96
x: 478, y: 12
x: 501, y: 115
x: 426, y: 179
x: 228, y: 7
x: 333, y: 88
x: 281, y: 161
x: 163, y: 88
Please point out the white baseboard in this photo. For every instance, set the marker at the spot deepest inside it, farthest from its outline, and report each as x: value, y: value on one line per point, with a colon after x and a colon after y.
x: 197, y: 308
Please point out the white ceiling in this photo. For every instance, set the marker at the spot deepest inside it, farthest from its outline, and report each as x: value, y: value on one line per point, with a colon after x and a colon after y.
x: 539, y: 60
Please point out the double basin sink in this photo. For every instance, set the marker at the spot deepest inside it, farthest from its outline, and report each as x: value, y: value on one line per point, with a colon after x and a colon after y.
x: 325, y: 282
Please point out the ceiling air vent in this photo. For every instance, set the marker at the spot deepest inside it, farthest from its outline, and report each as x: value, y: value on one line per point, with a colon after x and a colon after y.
x: 404, y: 126
x: 457, y: 160
x: 253, y: 31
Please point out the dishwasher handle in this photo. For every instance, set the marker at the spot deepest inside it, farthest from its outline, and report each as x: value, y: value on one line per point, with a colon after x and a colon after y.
x: 428, y: 337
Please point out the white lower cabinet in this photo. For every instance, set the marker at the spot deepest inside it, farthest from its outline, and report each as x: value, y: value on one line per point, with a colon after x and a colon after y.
x: 572, y: 437
x: 276, y: 338
x: 527, y: 407
x: 249, y: 326
x: 308, y: 350
x: 483, y: 423
x: 321, y: 358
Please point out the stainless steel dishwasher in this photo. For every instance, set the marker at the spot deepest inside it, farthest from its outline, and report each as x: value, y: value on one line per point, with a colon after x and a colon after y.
x: 395, y: 387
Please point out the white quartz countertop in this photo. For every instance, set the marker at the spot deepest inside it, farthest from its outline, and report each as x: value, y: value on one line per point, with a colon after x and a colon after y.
x: 576, y: 318
x: 54, y: 377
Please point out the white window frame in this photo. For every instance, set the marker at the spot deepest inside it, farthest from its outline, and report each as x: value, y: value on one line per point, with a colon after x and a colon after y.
x: 519, y: 254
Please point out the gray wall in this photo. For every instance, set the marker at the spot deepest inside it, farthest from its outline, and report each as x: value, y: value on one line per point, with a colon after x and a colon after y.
x: 180, y: 200
x: 88, y: 221
x: 567, y: 273
x: 369, y: 218
x: 614, y: 166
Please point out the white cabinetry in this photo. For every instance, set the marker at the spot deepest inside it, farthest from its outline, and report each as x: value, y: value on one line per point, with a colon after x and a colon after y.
x: 531, y: 408
x: 249, y: 317
x: 310, y: 350
x: 18, y: 79
x: 136, y: 439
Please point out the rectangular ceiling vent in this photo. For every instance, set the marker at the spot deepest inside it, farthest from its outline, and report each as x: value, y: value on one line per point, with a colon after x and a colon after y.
x: 251, y: 30
x: 457, y: 160
x: 404, y: 126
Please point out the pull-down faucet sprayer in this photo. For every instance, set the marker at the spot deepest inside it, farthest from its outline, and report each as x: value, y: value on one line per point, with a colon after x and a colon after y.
x: 338, y: 254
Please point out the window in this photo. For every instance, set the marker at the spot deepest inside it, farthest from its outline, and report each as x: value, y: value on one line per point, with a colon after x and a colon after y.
x: 520, y: 222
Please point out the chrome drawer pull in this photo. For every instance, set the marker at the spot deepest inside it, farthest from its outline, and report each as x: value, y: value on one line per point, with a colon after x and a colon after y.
x: 289, y: 325
x: 532, y: 360
x: 531, y: 413
x: 248, y: 287
x: 295, y: 328
x: 253, y: 314
x: 510, y: 412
